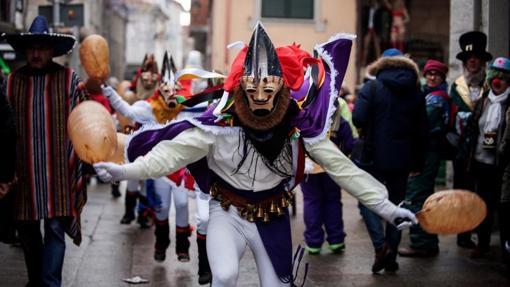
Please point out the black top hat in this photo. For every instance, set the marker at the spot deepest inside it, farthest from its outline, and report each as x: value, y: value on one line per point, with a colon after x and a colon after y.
x: 39, y: 33
x: 473, y: 42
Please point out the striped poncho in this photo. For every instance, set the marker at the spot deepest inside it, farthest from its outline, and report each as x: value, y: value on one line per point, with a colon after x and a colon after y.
x: 50, y: 182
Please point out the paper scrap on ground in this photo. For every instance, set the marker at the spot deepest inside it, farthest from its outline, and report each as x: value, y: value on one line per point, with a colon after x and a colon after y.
x: 135, y: 280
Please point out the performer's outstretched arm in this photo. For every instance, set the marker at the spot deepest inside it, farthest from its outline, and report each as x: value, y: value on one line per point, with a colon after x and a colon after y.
x: 357, y: 182
x: 140, y: 111
x: 166, y: 157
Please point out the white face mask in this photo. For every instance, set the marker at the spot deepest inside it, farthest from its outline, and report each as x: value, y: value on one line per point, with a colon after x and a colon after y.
x: 261, y: 95
x: 168, y: 91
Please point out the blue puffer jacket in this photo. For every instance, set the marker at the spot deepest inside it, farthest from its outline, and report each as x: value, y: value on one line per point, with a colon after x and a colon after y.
x: 392, y: 115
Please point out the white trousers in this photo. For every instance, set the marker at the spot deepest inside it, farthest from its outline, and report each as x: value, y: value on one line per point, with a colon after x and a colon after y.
x: 202, y: 215
x: 228, y: 236
x: 164, y: 191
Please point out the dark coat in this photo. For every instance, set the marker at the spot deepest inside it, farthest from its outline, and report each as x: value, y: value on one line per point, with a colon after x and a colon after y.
x: 394, y: 115
x: 8, y: 142
x: 467, y: 148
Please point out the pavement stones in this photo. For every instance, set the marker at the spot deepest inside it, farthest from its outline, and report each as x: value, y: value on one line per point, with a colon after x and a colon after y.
x: 111, y: 252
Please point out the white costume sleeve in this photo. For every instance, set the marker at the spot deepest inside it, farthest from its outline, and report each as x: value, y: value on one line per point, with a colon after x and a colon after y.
x: 354, y: 180
x: 140, y: 111
x: 170, y: 155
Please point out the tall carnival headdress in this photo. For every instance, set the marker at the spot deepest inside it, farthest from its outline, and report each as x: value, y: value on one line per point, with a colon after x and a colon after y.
x: 168, y: 70
x: 261, y: 59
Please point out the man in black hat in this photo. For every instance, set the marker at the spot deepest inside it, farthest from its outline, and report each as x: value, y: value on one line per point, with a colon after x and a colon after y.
x: 465, y: 91
x: 50, y: 186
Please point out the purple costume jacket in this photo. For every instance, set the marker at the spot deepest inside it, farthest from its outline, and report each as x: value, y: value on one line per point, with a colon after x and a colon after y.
x: 311, y: 125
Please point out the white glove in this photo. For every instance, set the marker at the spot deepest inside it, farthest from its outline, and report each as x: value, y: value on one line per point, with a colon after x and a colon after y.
x: 403, y: 218
x: 110, y: 172
x: 108, y: 91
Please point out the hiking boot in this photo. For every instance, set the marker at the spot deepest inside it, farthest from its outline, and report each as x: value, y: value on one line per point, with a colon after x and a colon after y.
x: 162, y: 233
x: 182, y: 243
x: 204, y: 270
x: 130, y: 204
x: 115, y: 190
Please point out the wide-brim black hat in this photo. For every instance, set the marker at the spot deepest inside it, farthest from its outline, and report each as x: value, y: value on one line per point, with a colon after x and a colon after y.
x: 39, y: 33
x: 473, y: 43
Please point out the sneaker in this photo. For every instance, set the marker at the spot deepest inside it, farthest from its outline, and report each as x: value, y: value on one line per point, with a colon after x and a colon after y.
x: 337, y: 248
x: 312, y: 250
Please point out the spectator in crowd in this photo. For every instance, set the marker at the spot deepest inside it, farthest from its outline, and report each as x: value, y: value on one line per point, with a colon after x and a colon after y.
x: 7, y: 168
x: 50, y: 186
x: 464, y: 92
x: 421, y: 186
x: 483, y: 138
x: 390, y: 112
x: 503, y: 74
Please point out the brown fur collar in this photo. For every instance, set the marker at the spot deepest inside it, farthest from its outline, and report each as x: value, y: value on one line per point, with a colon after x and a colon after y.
x: 393, y: 62
x: 264, y: 123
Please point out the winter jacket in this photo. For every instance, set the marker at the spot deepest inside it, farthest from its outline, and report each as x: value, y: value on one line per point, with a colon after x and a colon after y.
x: 393, y: 117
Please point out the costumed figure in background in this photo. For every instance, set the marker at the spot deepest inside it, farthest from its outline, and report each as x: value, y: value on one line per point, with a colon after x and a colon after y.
x: 144, y: 85
x: 248, y: 152
x: 400, y: 18
x: 161, y: 108
x: 322, y: 197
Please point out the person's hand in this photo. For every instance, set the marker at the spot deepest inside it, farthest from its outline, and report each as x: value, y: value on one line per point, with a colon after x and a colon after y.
x: 4, y: 188
x: 108, y: 91
x: 110, y: 172
x: 403, y: 218
x: 414, y: 173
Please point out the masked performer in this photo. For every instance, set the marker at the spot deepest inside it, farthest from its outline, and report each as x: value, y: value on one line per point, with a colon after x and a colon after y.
x: 164, y: 106
x: 248, y: 152
x: 144, y: 85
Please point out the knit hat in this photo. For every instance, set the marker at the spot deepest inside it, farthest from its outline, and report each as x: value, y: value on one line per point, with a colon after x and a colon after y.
x: 392, y: 52
x: 433, y: 65
x: 499, y: 68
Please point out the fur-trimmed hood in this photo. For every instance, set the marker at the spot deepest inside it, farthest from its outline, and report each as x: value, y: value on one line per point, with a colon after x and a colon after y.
x: 396, y: 71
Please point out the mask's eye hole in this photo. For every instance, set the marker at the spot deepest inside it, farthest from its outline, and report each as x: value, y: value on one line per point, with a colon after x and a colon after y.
x: 268, y: 90
x: 251, y: 90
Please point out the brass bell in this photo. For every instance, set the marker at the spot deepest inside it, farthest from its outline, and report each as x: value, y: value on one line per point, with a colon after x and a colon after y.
x: 214, y: 191
x: 225, y: 204
x: 250, y: 217
x: 266, y: 217
x: 280, y: 211
x: 290, y: 194
x: 273, y: 207
x: 260, y: 212
x: 243, y: 211
x: 284, y: 202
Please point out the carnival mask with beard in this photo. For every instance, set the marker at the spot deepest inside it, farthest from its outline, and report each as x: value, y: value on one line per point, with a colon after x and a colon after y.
x: 261, y: 106
x: 262, y: 113
x: 167, y: 91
